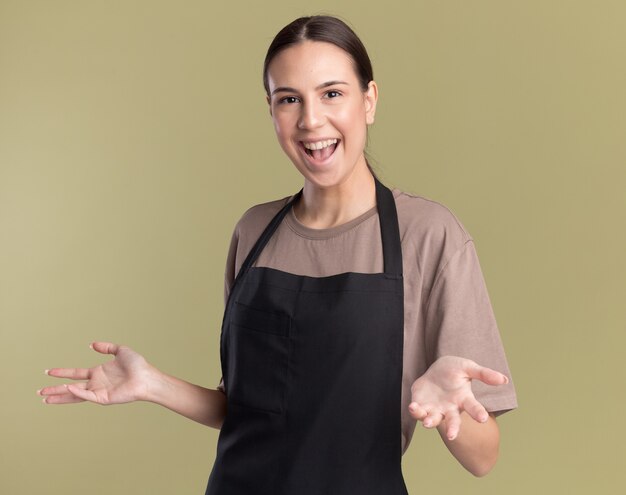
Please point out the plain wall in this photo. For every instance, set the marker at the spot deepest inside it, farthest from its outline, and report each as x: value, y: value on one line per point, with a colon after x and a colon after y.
x: 133, y: 135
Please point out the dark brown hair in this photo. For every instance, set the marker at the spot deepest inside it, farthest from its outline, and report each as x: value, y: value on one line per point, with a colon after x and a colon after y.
x: 322, y: 28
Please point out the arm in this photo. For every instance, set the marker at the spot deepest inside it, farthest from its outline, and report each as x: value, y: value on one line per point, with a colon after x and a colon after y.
x: 203, y: 405
x: 128, y: 378
x: 460, y: 321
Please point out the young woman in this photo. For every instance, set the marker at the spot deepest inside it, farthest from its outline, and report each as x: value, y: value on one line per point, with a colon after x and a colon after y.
x: 352, y: 311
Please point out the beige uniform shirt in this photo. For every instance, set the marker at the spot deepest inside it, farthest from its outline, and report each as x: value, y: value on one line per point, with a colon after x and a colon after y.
x: 447, y: 310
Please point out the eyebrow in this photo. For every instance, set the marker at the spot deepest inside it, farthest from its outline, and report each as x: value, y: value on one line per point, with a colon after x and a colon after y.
x: 293, y: 90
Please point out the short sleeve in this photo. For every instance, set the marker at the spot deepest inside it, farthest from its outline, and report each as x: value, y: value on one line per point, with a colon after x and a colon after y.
x: 220, y: 387
x: 460, y: 322
x: 230, y: 269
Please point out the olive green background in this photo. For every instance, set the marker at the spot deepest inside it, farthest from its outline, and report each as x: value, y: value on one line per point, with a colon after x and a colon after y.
x: 133, y: 135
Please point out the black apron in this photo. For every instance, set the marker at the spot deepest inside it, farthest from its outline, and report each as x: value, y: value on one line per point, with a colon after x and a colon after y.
x: 312, y: 370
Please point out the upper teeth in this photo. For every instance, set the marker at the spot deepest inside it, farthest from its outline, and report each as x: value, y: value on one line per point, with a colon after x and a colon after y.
x: 319, y: 145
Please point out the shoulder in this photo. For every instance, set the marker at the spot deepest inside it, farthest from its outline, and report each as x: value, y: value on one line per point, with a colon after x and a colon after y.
x: 426, y: 221
x: 432, y: 235
x: 256, y: 218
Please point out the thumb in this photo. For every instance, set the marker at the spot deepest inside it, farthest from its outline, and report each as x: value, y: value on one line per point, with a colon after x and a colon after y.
x: 487, y: 375
x: 105, y: 347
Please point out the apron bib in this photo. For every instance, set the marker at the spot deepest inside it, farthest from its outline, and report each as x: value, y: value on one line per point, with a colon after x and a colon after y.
x: 312, y: 370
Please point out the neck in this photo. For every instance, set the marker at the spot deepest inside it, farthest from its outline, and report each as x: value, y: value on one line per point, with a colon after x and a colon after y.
x: 327, y: 207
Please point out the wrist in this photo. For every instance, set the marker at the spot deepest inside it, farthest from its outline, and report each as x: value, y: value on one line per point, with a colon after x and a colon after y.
x: 156, y: 383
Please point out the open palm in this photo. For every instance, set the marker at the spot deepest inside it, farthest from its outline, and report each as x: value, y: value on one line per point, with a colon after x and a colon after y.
x: 445, y: 390
x: 123, y: 379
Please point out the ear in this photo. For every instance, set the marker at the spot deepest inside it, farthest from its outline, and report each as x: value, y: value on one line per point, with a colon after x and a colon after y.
x: 370, y: 98
x: 269, y: 102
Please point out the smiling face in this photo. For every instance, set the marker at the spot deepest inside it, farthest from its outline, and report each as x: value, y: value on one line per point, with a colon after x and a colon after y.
x: 316, y: 102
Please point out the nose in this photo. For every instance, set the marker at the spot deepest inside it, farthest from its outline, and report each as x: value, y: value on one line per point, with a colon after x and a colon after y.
x: 311, y: 116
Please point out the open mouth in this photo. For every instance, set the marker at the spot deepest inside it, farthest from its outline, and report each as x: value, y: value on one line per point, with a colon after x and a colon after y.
x: 323, y: 154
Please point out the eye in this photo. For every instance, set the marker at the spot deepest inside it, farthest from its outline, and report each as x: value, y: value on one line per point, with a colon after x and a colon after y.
x: 284, y: 100
x: 333, y: 92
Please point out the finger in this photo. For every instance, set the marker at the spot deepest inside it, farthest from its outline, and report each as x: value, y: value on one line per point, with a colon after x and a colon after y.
x: 433, y: 419
x: 67, y: 398
x: 417, y: 411
x: 57, y: 389
x: 475, y: 409
x: 72, y: 373
x: 453, y: 424
x: 105, y: 347
x: 83, y: 393
x: 484, y: 374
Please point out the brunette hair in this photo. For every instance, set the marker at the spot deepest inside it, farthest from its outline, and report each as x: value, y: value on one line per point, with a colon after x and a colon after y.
x: 330, y: 30
x: 322, y: 28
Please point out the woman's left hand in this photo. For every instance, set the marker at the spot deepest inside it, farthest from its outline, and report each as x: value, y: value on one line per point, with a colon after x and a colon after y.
x: 445, y: 390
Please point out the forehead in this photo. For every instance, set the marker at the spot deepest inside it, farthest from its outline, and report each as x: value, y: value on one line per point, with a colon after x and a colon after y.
x: 310, y: 63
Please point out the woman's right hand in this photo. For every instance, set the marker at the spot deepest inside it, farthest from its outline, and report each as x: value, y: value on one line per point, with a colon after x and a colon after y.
x: 123, y: 379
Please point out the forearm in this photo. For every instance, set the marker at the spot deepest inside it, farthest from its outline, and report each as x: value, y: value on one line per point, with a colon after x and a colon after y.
x: 477, y: 445
x: 203, y: 405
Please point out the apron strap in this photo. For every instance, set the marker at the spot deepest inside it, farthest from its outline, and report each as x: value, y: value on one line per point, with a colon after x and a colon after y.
x: 389, y: 230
